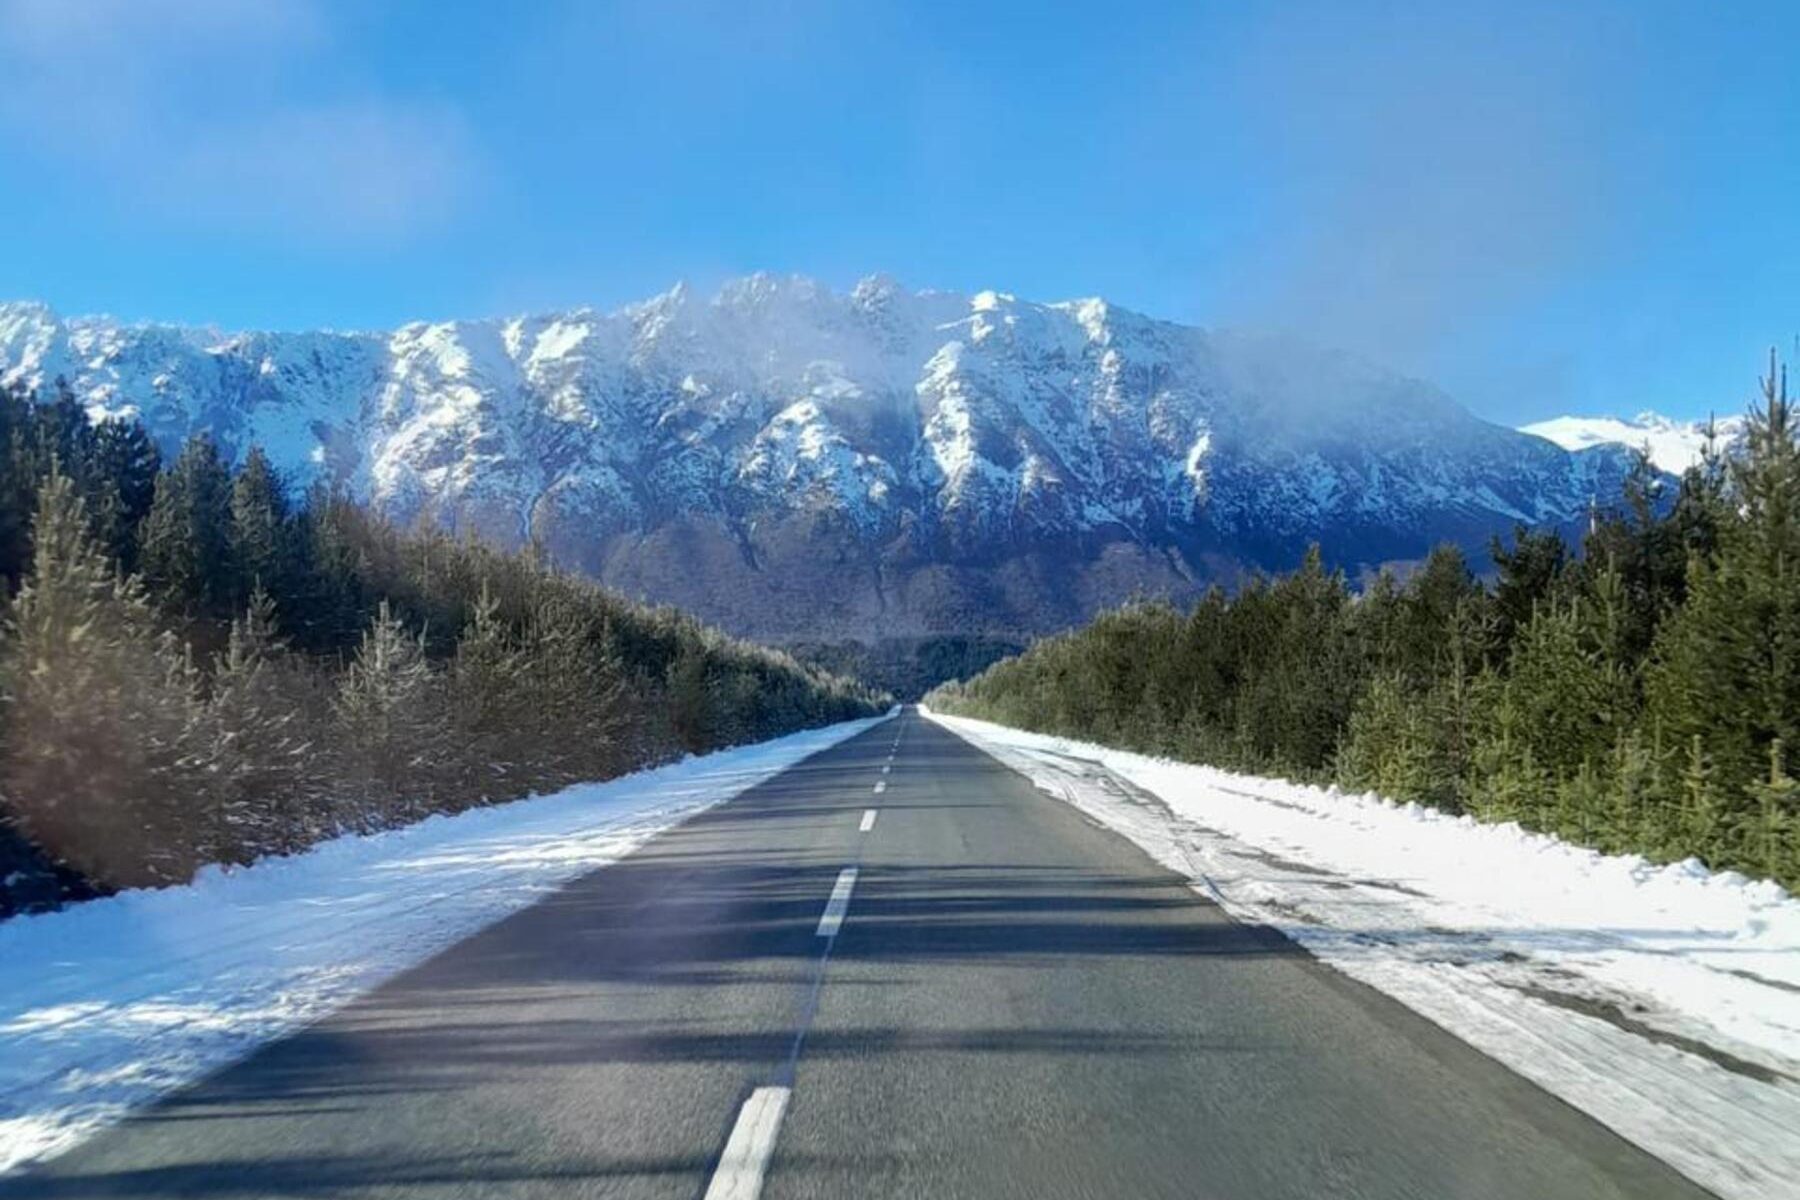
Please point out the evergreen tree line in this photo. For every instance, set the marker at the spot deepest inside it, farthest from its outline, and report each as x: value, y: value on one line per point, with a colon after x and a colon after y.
x: 1642, y: 695
x: 195, y: 668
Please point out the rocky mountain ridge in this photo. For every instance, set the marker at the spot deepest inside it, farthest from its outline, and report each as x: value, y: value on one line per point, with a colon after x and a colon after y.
x: 799, y: 463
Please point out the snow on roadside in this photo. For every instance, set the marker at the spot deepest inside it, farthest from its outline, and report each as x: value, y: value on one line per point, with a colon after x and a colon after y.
x: 108, y: 1004
x: 1662, y: 1000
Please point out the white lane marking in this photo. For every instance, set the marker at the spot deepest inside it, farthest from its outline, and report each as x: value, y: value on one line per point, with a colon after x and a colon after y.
x: 881, y: 787
x: 868, y: 821
x: 839, y: 904
x: 746, y: 1158
x: 886, y: 767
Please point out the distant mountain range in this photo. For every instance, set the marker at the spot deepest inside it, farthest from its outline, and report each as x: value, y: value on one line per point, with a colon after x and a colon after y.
x: 798, y: 463
x: 1673, y: 446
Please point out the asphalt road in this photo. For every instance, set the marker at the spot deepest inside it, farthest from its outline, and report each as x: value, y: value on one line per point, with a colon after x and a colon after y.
x: 1003, y: 1000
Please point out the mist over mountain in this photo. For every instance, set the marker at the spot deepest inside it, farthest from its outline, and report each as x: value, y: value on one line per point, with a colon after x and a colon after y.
x: 798, y: 463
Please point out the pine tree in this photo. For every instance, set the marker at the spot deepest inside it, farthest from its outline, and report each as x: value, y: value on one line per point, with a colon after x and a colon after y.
x: 575, y: 685
x: 19, y: 475
x: 1726, y: 667
x: 1581, y: 805
x: 1701, y: 507
x: 260, y: 747
x: 1775, y: 819
x: 186, y: 536
x: 390, y: 722
x: 1767, y: 483
x: 690, y: 700
x: 327, y: 600
x: 259, y: 532
x: 1632, y: 796
x: 1644, y: 551
x: 1701, y: 809
x: 1317, y: 677
x: 1507, y: 783
x: 1387, y: 747
x: 1526, y: 577
x: 125, y: 466
x: 1440, y: 596
x: 100, y: 712
x: 1560, y: 688
x: 490, y: 703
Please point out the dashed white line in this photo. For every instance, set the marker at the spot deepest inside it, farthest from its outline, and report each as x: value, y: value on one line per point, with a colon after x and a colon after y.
x: 839, y: 904
x: 746, y: 1159
x: 881, y: 787
x: 886, y: 767
x: 868, y: 821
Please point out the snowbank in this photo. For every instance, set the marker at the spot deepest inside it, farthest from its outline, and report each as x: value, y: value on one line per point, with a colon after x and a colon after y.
x: 1662, y: 1000
x: 110, y: 1003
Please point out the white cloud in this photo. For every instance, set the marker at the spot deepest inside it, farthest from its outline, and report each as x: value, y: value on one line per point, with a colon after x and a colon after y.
x: 222, y: 112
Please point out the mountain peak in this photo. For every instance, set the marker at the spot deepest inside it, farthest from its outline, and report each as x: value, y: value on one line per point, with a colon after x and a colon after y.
x: 26, y: 309
x: 878, y: 288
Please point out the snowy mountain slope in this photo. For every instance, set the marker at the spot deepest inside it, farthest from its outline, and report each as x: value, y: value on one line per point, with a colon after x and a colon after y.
x: 792, y: 461
x: 1673, y: 446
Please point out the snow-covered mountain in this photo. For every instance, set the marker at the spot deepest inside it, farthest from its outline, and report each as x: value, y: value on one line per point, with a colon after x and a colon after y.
x: 796, y: 462
x: 1672, y: 445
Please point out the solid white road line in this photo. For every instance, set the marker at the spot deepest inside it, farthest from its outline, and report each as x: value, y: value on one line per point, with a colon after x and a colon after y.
x: 868, y: 821
x: 881, y: 787
x: 839, y: 904
x: 747, y: 1150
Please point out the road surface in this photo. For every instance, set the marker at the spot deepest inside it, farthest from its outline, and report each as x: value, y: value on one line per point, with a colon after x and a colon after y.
x: 895, y: 970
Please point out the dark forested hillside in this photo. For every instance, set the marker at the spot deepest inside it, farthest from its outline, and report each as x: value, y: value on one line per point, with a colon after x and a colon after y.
x: 907, y: 666
x: 1643, y: 695
x: 197, y: 668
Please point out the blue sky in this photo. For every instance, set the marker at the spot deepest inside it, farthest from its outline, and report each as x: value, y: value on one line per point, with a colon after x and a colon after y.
x: 1554, y: 207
